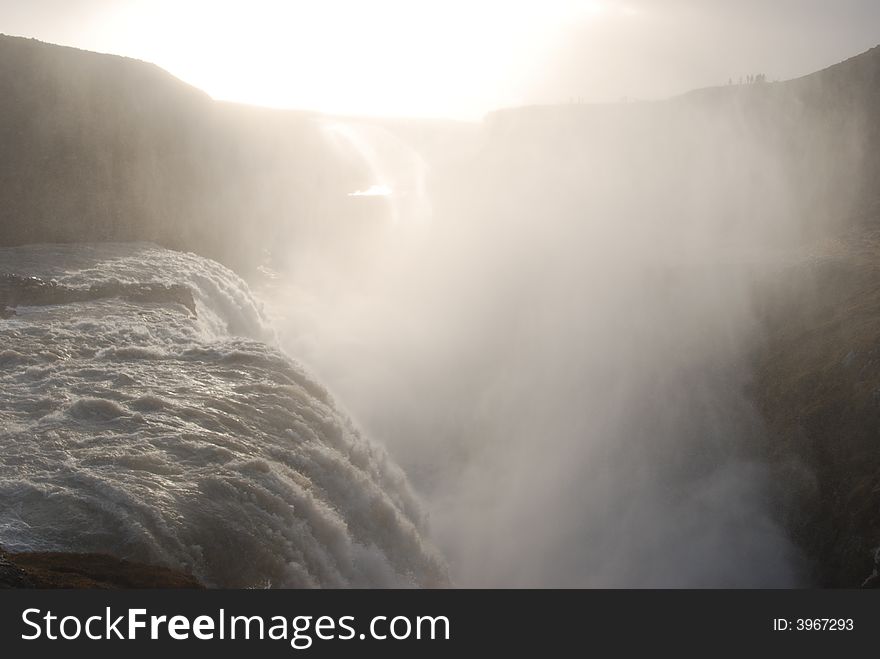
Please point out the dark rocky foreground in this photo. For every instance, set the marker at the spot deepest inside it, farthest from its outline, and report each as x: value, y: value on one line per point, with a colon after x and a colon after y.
x: 64, y: 570
x: 16, y: 290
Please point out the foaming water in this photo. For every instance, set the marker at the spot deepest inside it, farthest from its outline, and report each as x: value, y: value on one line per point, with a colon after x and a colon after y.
x: 141, y: 430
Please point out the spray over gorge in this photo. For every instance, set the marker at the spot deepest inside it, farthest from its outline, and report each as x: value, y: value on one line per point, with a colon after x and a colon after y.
x: 561, y: 344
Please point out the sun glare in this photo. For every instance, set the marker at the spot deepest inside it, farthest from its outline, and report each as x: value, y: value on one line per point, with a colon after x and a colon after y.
x: 393, y: 57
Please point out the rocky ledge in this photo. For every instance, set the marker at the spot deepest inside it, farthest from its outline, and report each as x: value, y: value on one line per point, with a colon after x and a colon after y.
x: 66, y: 570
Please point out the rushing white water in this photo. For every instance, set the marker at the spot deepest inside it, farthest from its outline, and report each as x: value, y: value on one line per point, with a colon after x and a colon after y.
x: 143, y: 431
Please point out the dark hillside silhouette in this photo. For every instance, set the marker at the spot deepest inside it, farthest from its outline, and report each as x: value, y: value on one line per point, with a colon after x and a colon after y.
x: 104, y: 148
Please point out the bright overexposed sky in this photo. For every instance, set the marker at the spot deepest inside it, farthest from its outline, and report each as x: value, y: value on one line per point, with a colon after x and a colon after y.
x: 455, y: 58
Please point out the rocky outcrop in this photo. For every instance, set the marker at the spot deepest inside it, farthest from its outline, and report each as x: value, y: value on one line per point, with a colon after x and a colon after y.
x: 66, y: 570
x: 817, y: 384
x: 16, y: 290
